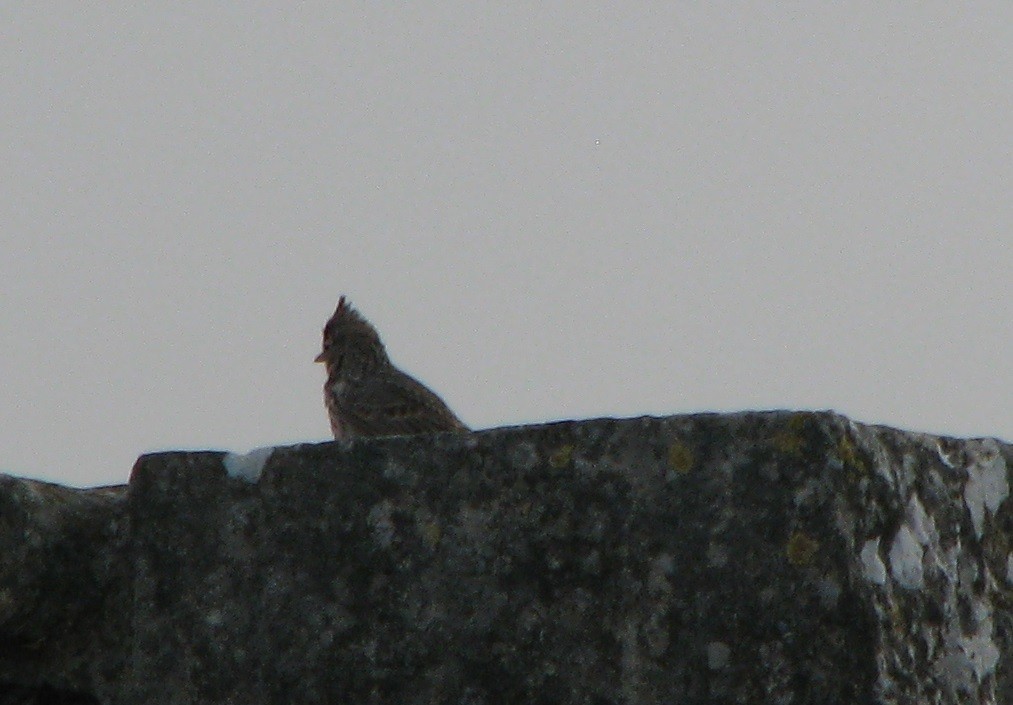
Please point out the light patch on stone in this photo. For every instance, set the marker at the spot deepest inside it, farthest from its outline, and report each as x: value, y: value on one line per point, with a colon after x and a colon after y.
x: 381, y: 519
x: 658, y: 579
x: 665, y: 564
x: 949, y: 561
x: 632, y: 663
x: 718, y: 653
x: 983, y: 654
x: 524, y: 456
x: 943, y: 457
x: 6, y: 600
x: 807, y: 492
x: 987, y: 486
x: 906, y: 559
x: 881, y: 463
x: 872, y: 565
x: 910, y: 464
x: 717, y: 555
x: 979, y: 648
x: 922, y: 525
x: 393, y: 470
x: 1009, y: 569
x: 829, y: 592
x: 247, y: 466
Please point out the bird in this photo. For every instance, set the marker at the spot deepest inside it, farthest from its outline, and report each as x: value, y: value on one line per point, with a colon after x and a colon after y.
x: 365, y: 394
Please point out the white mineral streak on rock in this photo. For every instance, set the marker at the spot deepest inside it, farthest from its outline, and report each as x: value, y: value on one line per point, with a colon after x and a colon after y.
x: 916, y: 541
x: 247, y: 466
x: 971, y: 657
x: 906, y: 559
x: 987, y: 486
x: 979, y: 647
x: 881, y: 462
x: 922, y: 525
x: 872, y: 564
x: 943, y: 457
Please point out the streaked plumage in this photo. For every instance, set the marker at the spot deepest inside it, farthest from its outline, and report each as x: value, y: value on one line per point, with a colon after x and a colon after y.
x: 365, y: 394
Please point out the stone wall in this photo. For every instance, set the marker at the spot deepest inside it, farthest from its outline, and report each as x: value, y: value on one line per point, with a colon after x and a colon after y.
x: 741, y: 558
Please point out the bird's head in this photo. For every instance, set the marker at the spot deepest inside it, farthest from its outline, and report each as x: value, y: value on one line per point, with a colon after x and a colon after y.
x: 351, y: 346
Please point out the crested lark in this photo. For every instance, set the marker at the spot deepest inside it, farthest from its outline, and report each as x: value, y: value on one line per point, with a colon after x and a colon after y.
x: 365, y: 394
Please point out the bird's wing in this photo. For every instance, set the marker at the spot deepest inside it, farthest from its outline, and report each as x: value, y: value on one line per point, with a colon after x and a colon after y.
x: 395, y: 404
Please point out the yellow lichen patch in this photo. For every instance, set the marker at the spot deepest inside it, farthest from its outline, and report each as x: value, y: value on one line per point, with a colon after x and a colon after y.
x: 561, y: 457
x: 850, y: 459
x: 790, y: 441
x: 798, y: 421
x: 897, y: 619
x: 801, y: 549
x: 431, y: 533
x: 680, y: 458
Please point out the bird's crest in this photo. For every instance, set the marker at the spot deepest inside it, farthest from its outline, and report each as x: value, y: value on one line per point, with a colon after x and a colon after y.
x: 364, y: 393
x: 346, y: 314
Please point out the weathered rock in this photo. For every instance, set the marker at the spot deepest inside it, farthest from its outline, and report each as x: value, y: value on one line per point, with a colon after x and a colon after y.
x: 742, y: 558
x: 58, y: 571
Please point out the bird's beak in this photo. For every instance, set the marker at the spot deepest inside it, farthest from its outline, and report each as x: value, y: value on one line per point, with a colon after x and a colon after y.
x: 320, y: 358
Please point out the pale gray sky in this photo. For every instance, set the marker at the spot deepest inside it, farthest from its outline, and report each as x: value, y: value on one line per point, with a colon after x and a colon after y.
x: 549, y: 210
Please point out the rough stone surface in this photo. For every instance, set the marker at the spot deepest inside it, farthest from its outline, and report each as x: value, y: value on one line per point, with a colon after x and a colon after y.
x: 743, y: 558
